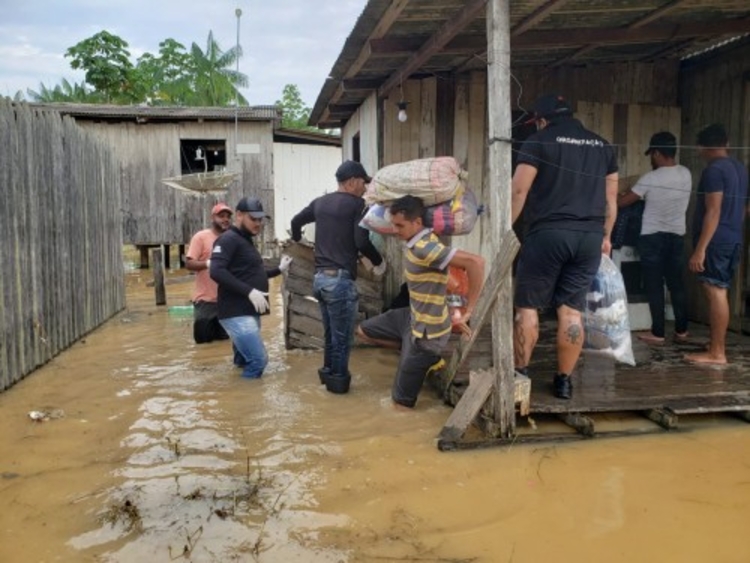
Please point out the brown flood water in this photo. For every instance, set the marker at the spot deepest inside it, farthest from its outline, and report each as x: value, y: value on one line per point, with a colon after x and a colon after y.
x: 165, y: 453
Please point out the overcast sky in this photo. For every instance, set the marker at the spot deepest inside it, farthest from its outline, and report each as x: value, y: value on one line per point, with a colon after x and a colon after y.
x: 284, y: 41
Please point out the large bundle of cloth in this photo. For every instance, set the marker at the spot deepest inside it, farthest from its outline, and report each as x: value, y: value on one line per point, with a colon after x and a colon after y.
x: 452, y: 208
x: 433, y: 180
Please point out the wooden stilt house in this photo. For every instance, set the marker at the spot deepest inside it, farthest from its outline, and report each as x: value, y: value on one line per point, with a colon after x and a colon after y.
x: 466, y: 71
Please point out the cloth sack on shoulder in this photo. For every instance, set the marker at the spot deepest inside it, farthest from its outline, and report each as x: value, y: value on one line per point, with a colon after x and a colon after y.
x: 434, y: 180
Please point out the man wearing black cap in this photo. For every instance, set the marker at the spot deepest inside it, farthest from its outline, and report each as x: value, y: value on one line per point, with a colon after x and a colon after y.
x: 566, y: 184
x: 666, y: 191
x: 718, y: 230
x: 338, y: 242
x: 237, y: 267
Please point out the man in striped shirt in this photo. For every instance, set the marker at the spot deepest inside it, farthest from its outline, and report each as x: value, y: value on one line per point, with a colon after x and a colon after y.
x: 422, y: 330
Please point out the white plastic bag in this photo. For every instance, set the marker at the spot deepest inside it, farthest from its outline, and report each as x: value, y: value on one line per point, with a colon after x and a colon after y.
x: 605, y: 320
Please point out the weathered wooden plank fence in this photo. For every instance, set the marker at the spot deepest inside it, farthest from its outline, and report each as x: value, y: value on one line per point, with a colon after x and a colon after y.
x: 60, y: 223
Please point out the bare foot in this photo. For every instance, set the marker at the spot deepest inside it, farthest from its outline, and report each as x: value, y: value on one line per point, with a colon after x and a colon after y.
x: 400, y: 408
x: 649, y: 338
x: 706, y: 359
x: 681, y: 337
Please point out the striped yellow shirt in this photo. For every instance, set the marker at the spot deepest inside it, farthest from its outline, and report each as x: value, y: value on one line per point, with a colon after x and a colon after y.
x: 426, y: 264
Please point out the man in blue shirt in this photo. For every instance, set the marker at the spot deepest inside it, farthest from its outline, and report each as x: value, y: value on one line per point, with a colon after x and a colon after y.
x: 717, y: 234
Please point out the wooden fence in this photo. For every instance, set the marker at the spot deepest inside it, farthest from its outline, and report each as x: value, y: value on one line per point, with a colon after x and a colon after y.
x: 60, y: 227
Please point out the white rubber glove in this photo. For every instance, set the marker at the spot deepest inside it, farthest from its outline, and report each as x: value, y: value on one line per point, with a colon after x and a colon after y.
x: 285, y: 262
x: 379, y: 270
x: 259, y: 301
x: 208, y: 264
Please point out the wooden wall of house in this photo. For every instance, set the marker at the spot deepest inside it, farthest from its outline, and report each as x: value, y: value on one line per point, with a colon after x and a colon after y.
x: 153, y: 213
x: 716, y: 89
x: 363, y: 125
x: 60, y: 223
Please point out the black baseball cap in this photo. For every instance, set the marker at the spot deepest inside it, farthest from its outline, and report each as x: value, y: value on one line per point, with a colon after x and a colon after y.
x: 662, y: 140
x: 253, y: 206
x: 550, y: 106
x: 351, y: 169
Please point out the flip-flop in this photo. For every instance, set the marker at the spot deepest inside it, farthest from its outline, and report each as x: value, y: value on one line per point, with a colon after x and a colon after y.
x: 684, y: 337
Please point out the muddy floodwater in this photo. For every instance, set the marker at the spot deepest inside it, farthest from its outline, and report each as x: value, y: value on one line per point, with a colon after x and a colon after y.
x: 154, y: 449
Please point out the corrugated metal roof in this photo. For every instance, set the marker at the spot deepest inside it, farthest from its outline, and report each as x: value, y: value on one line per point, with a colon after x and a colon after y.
x: 172, y: 113
x: 547, y: 33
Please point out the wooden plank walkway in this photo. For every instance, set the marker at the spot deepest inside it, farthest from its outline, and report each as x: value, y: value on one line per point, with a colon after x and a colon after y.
x: 661, y: 386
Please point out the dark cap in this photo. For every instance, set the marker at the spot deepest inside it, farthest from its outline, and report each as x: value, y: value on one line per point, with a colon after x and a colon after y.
x: 253, y: 206
x: 664, y: 142
x: 713, y: 136
x: 549, y: 107
x: 351, y: 169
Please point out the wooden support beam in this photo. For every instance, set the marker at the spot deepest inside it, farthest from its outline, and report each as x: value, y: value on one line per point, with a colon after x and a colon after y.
x: 407, y: 45
x: 651, y: 16
x: 450, y: 29
x: 361, y: 84
x: 656, y: 14
x: 536, y: 16
x: 160, y: 290
x: 559, y: 39
x: 472, y: 401
x: 498, y: 183
x: 580, y: 423
x: 343, y: 108
x: 665, y: 417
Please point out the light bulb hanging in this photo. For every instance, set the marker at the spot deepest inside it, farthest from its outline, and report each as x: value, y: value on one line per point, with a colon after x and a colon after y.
x: 402, y: 115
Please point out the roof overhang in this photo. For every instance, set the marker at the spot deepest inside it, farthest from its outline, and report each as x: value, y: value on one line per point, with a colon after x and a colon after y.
x: 394, y: 40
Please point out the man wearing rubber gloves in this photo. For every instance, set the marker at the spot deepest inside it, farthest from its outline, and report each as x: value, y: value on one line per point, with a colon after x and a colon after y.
x: 238, y: 268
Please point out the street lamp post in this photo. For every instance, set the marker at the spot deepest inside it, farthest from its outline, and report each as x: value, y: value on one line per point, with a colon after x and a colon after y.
x: 237, y: 13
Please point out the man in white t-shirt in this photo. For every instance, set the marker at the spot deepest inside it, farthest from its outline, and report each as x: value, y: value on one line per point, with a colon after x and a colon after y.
x: 666, y: 191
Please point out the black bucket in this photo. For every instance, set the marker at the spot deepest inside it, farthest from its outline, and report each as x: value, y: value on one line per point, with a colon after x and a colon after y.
x: 338, y: 384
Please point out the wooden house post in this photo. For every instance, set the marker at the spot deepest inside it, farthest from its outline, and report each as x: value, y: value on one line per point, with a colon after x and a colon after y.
x: 499, y: 179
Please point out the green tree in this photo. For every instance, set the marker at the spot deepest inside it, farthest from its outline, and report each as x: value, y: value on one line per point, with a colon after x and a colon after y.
x: 105, y: 60
x: 166, y: 79
x: 63, y: 92
x: 214, y: 82
x: 295, y: 114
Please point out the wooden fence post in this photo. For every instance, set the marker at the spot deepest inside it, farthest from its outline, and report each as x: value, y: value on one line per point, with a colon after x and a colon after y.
x: 159, y: 288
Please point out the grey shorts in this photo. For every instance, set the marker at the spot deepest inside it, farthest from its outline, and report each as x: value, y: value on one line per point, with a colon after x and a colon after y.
x: 417, y: 354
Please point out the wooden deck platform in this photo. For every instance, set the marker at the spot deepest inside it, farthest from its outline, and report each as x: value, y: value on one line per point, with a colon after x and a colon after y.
x: 661, y: 386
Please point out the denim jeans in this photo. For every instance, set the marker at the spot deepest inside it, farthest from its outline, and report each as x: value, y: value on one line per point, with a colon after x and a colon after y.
x: 662, y: 260
x: 339, y: 301
x: 249, y: 350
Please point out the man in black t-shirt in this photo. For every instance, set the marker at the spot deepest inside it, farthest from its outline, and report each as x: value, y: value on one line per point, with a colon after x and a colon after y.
x: 338, y: 242
x: 566, y: 184
x: 238, y: 269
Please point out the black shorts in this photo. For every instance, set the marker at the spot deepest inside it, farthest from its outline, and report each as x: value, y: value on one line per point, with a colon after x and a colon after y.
x: 556, y: 267
x: 206, y: 327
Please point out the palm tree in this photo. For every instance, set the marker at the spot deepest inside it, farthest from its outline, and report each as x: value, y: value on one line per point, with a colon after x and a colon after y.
x: 64, y: 92
x: 215, y: 83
